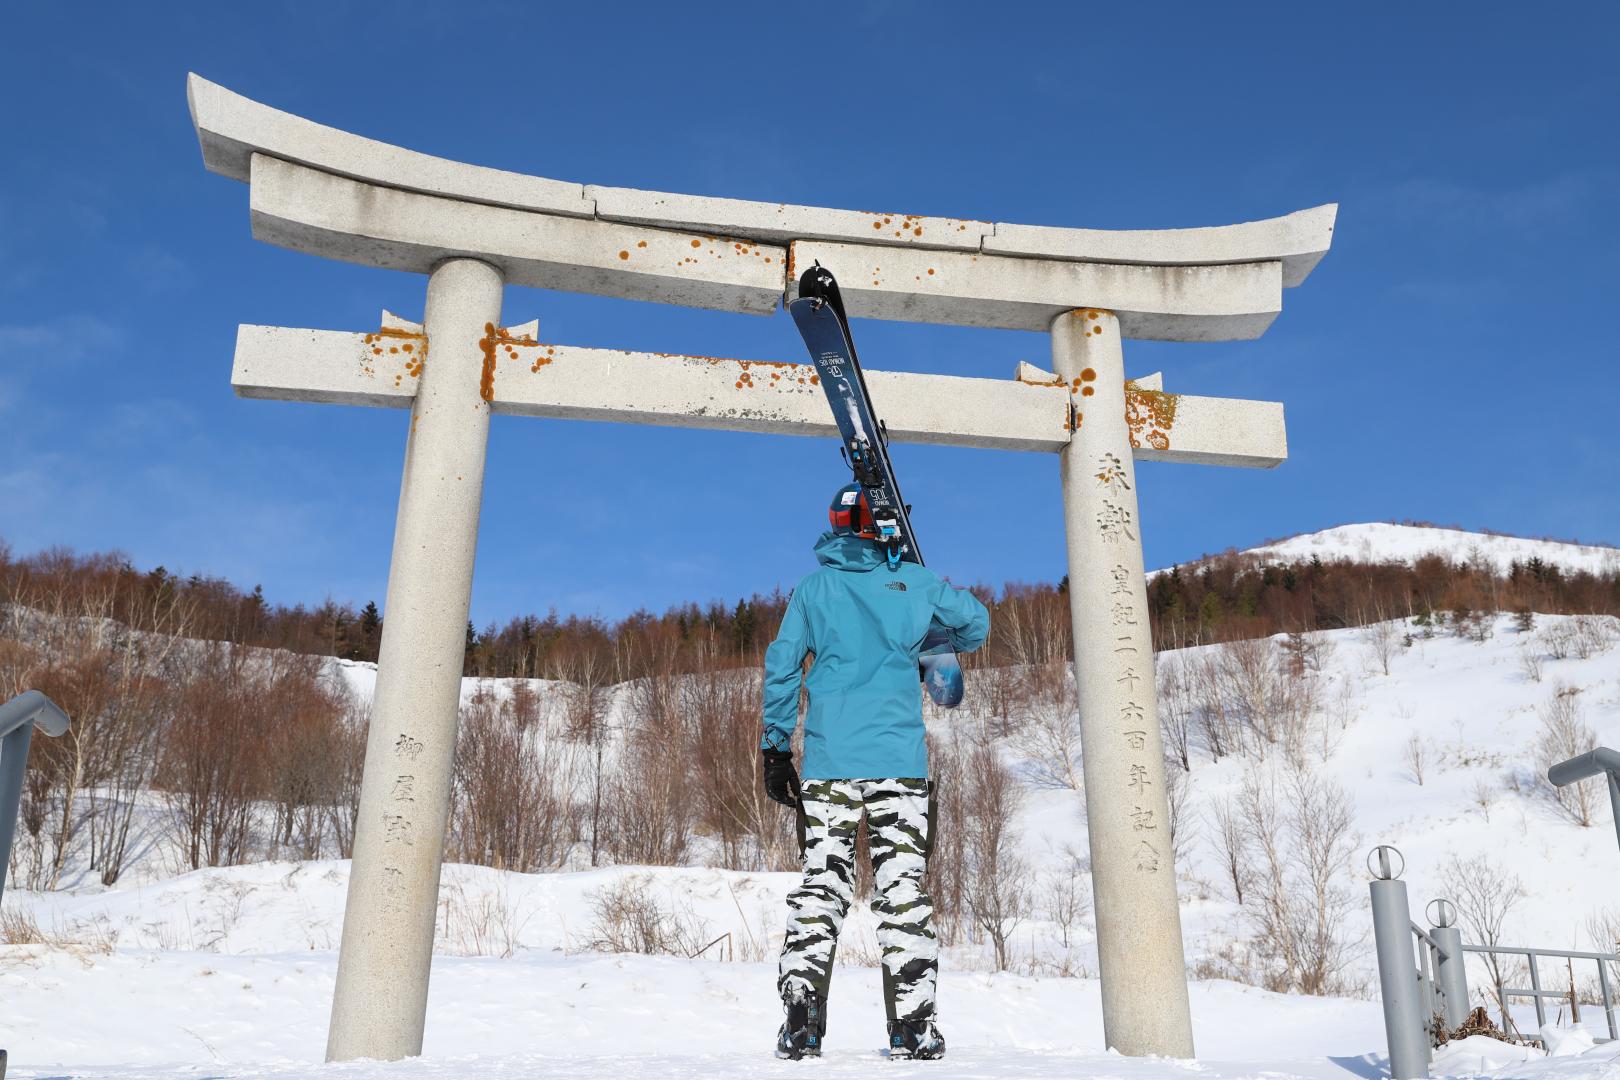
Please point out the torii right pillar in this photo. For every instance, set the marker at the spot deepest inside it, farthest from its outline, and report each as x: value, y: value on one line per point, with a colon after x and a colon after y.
x: 1139, y: 952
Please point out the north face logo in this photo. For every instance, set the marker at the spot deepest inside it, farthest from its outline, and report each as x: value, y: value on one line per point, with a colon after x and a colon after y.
x: 898, y: 586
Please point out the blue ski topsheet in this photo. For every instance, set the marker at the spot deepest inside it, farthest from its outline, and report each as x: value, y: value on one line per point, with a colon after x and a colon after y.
x: 864, y: 443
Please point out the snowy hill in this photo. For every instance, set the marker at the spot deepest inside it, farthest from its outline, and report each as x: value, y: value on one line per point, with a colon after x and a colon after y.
x: 230, y: 970
x: 1381, y: 542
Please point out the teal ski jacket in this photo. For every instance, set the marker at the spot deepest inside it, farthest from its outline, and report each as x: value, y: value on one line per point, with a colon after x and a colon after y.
x: 865, y: 624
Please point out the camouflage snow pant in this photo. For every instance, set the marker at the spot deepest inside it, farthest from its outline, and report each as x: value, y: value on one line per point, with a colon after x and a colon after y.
x: 899, y: 825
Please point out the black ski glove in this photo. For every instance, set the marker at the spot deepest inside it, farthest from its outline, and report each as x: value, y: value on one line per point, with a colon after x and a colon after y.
x: 781, y: 778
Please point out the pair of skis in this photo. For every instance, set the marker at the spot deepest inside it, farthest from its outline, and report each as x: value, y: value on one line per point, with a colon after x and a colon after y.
x: 819, y: 315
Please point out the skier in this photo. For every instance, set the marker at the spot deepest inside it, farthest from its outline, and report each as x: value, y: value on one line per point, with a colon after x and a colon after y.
x: 863, y: 618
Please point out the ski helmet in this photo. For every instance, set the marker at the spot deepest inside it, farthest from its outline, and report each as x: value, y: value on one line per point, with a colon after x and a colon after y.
x: 851, y: 514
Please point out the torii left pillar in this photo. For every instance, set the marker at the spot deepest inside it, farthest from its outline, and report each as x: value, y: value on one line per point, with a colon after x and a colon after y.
x: 379, y: 1006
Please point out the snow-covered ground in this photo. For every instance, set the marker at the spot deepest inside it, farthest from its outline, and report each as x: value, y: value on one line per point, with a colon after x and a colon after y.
x: 1383, y: 542
x: 229, y: 972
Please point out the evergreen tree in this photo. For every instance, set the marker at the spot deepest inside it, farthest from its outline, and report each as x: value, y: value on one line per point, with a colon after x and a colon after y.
x: 742, y: 627
x: 469, y: 649
x: 370, y: 631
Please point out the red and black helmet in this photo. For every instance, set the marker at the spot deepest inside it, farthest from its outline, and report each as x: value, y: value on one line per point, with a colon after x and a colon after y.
x: 850, y: 513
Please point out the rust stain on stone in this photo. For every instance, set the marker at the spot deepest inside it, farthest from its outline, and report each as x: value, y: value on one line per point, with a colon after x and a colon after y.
x: 376, y: 344
x: 499, y: 338
x: 1150, y: 415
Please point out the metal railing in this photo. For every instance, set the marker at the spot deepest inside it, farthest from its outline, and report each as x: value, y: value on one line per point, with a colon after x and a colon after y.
x: 1433, y: 1000
x: 1539, y: 995
x: 1428, y: 998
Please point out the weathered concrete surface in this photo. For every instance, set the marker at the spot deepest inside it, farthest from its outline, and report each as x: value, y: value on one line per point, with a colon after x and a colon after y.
x: 1173, y: 303
x: 1029, y: 373
x: 231, y: 128
x: 379, y: 1005
x: 568, y: 382
x: 329, y: 366
x: 322, y: 214
x: 1139, y: 949
x: 784, y: 222
x: 1299, y: 240
x: 769, y: 397
x: 1184, y: 428
x: 1204, y: 284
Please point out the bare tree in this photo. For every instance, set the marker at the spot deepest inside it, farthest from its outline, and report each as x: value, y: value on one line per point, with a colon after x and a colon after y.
x: 721, y: 710
x: 1565, y: 734
x: 1530, y: 662
x: 1485, y: 893
x: 349, y: 750
x: 1382, y: 640
x: 1298, y: 839
x: 997, y: 879
x: 1217, y: 716
x: 1603, y: 935
x: 1256, y: 684
x: 1068, y: 897
x: 1049, y: 738
x: 947, y: 859
x: 1231, y: 840
x: 1593, y: 634
x: 513, y: 805
x: 1176, y: 708
x: 643, y: 809
x: 1178, y: 792
x: 214, y: 755
x: 1416, y: 756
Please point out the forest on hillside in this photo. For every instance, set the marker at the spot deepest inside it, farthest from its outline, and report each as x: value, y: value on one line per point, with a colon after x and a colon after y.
x: 1227, y: 597
x: 215, y: 726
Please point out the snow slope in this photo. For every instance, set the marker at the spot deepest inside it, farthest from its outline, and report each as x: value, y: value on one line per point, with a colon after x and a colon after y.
x: 1382, y: 542
x: 228, y: 972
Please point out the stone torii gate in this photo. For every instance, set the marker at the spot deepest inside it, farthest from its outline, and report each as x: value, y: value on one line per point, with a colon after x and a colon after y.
x: 473, y: 229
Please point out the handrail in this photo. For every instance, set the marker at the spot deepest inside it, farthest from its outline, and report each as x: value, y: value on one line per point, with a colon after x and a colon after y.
x: 18, y: 719
x: 1423, y: 936
x: 1573, y: 954
x: 36, y: 707
x: 1590, y: 764
x: 1585, y: 766
x: 1535, y: 992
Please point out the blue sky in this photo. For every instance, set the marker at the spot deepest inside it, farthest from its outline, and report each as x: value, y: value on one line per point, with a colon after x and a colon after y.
x: 1452, y: 359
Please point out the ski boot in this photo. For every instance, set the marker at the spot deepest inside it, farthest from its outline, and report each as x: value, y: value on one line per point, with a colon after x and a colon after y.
x: 800, y: 1036
x: 918, y: 1039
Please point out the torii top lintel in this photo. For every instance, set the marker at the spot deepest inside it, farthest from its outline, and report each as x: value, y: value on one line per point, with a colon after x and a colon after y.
x: 332, y: 193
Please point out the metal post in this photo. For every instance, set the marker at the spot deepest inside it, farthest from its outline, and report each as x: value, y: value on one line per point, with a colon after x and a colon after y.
x: 1392, y: 937
x: 1426, y: 997
x: 1535, y: 984
x: 379, y: 1005
x: 1139, y: 950
x: 13, y: 762
x: 18, y: 718
x: 1451, y: 967
x: 1614, y: 801
x: 1608, y: 998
